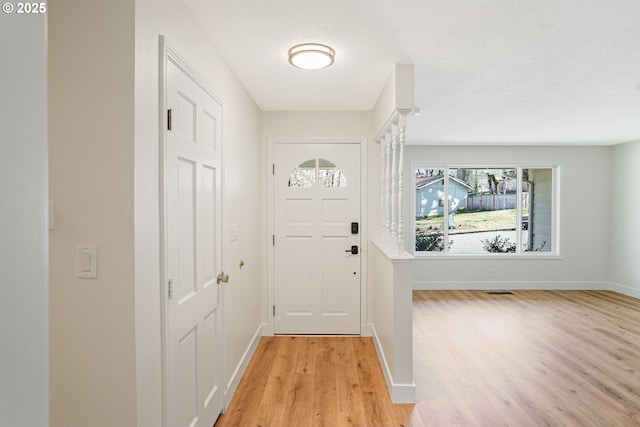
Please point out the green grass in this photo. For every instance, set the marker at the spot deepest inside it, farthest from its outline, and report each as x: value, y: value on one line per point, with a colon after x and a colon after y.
x: 473, y: 221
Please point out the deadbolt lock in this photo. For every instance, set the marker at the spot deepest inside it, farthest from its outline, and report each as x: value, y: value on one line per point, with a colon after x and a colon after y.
x: 222, y: 278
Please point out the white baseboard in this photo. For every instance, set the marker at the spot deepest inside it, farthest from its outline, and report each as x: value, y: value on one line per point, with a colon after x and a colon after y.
x: 383, y: 361
x: 366, y: 330
x: 510, y: 285
x: 233, y: 383
x: 403, y: 393
x: 400, y: 393
x: 268, y: 329
x: 624, y: 290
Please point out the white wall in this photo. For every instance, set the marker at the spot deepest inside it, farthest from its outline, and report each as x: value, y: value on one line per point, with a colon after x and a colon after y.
x: 585, y: 196
x: 624, y: 269
x: 24, y: 371
x: 318, y: 124
x: 91, y: 81
x: 241, y: 181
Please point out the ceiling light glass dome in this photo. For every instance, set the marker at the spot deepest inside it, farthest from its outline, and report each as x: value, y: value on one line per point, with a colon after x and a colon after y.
x: 311, y: 56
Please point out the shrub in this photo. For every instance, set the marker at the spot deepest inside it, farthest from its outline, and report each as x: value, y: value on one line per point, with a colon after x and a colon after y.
x: 429, y: 242
x: 498, y: 244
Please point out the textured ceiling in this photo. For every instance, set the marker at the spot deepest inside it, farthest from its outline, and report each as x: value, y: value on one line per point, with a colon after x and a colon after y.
x: 487, y: 72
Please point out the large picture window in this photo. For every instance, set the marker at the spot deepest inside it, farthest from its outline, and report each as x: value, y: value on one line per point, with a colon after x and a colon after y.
x: 482, y: 210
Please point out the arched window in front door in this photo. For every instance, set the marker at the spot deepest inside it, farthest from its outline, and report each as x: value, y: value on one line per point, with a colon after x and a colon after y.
x: 317, y: 172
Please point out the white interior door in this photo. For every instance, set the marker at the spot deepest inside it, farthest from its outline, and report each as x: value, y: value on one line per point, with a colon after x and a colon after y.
x: 316, y: 273
x: 192, y: 252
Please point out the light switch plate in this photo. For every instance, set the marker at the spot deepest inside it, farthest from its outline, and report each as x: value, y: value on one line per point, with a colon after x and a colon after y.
x: 86, y: 261
x: 234, y: 232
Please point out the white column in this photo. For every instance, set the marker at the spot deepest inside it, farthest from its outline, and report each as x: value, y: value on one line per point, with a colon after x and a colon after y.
x: 383, y: 185
x: 387, y: 186
x: 392, y: 144
x: 400, y: 201
x: 394, y: 186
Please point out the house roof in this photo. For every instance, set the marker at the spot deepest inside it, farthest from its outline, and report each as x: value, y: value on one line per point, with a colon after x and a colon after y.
x: 425, y: 181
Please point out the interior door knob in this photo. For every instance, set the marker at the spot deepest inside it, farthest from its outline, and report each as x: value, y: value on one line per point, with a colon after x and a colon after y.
x: 222, y: 278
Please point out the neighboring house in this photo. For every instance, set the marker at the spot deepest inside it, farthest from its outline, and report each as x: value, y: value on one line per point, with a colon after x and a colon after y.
x: 539, y: 219
x: 430, y: 195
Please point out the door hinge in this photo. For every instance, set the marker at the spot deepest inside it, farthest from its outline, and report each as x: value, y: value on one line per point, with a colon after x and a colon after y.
x: 170, y: 289
x: 169, y: 119
x: 273, y: 240
x: 273, y: 169
x: 274, y: 310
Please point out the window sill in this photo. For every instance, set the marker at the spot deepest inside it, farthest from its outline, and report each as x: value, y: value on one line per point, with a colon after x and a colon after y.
x: 485, y: 257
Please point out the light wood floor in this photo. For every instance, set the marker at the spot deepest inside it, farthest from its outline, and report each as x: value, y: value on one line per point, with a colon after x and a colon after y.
x: 295, y: 381
x: 534, y: 358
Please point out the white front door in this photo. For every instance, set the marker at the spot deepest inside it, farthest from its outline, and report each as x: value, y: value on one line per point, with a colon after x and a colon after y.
x: 316, y: 213
x: 192, y: 244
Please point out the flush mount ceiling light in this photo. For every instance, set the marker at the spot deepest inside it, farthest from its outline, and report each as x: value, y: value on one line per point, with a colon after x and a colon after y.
x: 311, y: 56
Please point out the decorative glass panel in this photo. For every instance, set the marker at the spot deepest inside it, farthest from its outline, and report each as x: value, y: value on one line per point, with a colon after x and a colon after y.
x: 334, y: 178
x: 304, y: 175
x: 325, y: 164
x: 320, y: 172
x: 300, y: 178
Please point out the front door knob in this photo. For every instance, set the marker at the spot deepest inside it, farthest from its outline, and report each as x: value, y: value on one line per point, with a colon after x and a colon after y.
x: 353, y: 250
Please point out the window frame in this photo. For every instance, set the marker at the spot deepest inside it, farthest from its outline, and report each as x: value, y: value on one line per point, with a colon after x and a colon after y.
x: 556, y: 247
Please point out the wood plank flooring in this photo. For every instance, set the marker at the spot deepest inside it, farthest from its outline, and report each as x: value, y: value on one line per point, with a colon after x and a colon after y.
x: 295, y: 381
x: 534, y: 358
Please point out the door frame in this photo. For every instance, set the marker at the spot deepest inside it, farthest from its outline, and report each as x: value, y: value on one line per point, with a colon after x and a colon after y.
x: 365, y: 329
x: 168, y: 52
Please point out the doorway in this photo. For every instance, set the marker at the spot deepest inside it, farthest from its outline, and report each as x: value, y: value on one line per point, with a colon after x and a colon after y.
x: 317, y: 238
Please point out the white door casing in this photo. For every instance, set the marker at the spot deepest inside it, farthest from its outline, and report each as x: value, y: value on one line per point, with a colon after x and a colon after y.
x: 191, y: 250
x: 316, y: 189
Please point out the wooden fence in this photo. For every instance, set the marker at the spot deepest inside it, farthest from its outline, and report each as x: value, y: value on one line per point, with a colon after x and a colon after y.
x: 494, y: 202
